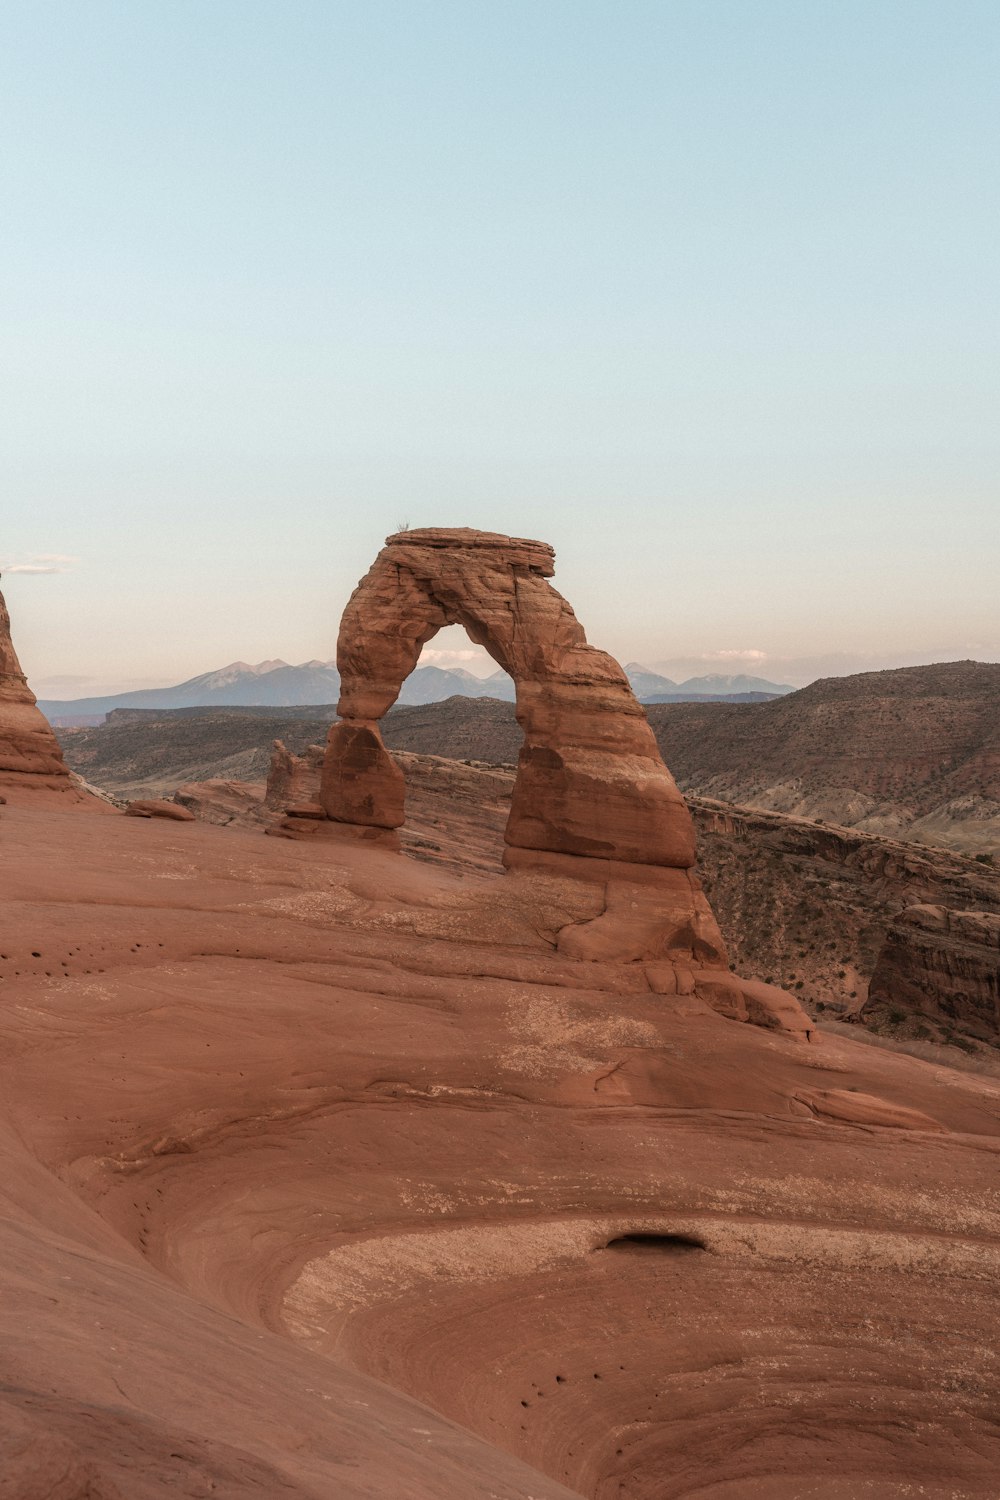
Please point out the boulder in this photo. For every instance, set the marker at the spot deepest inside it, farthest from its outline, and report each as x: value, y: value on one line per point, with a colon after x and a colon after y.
x: 155, y: 808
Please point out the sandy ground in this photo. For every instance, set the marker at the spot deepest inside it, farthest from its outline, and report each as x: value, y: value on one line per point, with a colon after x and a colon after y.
x: 323, y: 1176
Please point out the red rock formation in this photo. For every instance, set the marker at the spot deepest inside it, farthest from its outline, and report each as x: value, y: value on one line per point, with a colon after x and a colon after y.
x: 592, y: 802
x: 156, y: 807
x: 942, y: 966
x: 590, y: 779
x: 293, y: 778
x: 30, y: 757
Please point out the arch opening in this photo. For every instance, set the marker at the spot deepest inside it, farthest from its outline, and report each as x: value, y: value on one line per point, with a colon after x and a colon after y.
x: 590, y: 782
x: 458, y: 752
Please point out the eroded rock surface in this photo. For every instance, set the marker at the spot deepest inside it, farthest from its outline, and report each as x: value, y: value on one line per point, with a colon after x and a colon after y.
x: 30, y: 758
x: 293, y: 778
x: 160, y: 808
x: 325, y: 1174
x: 942, y: 965
x: 592, y: 800
x: 590, y: 778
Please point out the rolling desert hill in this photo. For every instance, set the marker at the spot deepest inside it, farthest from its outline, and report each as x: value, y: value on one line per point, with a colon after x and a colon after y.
x: 140, y: 753
x: 149, y: 752
x: 912, y: 753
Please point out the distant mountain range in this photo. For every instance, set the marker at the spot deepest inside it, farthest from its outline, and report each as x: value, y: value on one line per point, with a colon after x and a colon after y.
x: 651, y: 687
x: 912, y: 753
x: 273, y: 684
x: 276, y: 684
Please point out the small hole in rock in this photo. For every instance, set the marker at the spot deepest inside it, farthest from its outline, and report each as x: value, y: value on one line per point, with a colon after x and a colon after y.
x: 641, y: 1240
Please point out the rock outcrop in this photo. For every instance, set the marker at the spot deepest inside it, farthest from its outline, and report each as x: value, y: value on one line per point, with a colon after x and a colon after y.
x: 293, y: 778
x: 156, y: 807
x: 30, y: 757
x: 942, y: 966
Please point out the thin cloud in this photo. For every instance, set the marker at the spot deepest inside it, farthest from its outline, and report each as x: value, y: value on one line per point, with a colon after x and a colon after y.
x: 429, y: 654
x: 40, y: 562
x: 747, y: 654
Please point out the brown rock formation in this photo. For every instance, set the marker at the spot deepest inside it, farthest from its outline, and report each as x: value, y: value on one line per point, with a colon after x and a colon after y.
x: 293, y: 778
x: 590, y: 779
x: 30, y: 757
x: 156, y: 808
x: 942, y: 965
x: 809, y: 905
x: 592, y: 799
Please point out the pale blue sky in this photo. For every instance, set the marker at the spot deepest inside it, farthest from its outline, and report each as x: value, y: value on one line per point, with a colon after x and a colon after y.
x: 705, y: 294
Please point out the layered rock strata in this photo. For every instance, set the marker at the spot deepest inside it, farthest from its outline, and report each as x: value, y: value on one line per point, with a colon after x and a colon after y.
x: 943, y: 966
x: 30, y: 757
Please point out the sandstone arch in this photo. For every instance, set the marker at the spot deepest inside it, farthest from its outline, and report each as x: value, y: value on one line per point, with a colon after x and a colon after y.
x: 590, y: 780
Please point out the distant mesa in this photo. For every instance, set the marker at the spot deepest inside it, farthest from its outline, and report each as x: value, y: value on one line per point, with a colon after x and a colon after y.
x: 912, y: 752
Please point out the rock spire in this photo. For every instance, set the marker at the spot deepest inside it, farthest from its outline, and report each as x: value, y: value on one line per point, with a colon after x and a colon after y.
x: 30, y: 757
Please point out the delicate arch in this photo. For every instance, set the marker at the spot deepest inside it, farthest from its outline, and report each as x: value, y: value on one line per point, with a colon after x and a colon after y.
x: 590, y: 778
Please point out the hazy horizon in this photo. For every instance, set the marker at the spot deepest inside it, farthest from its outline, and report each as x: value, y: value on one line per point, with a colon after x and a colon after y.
x: 451, y: 648
x: 706, y: 297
